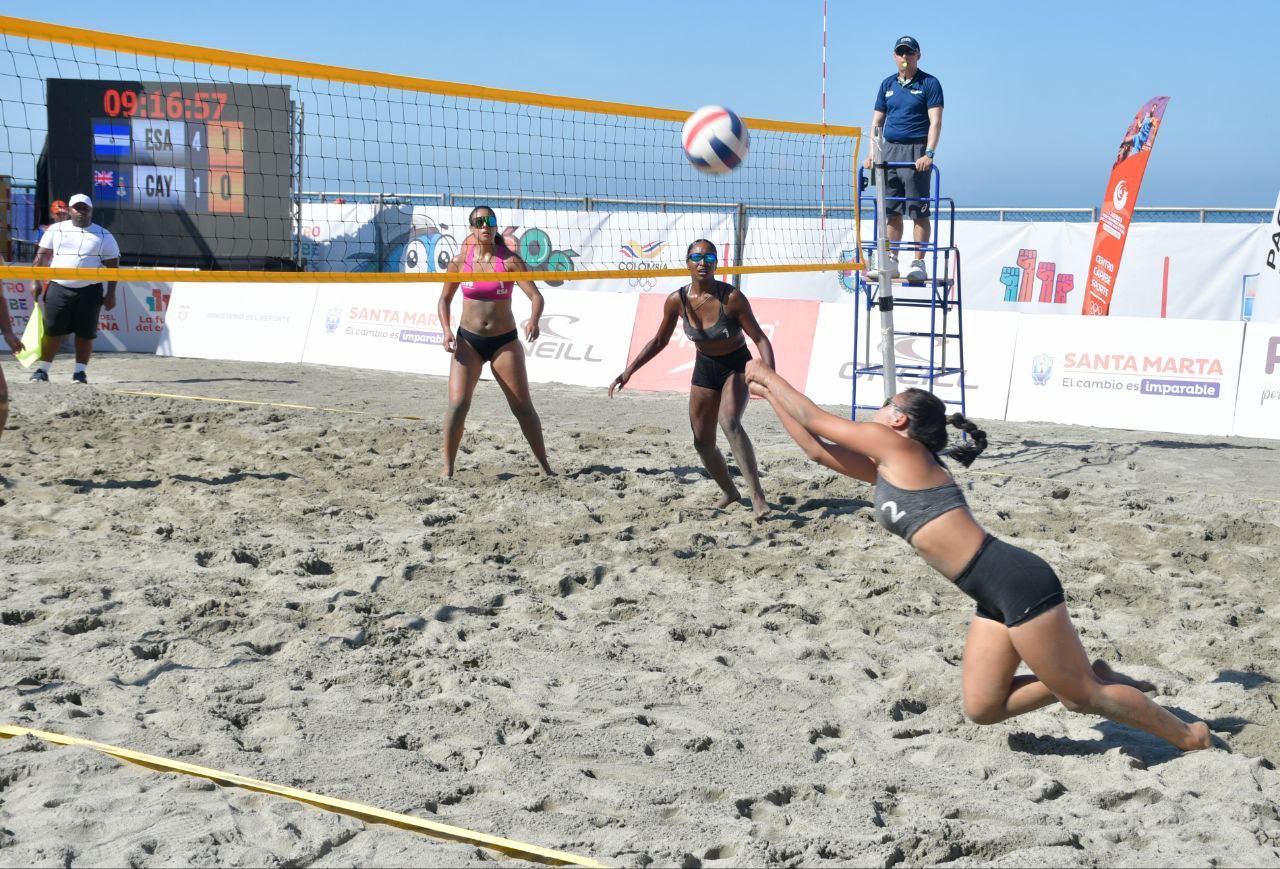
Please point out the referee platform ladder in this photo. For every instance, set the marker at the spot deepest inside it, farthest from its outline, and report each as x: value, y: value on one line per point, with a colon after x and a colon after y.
x: 928, y: 320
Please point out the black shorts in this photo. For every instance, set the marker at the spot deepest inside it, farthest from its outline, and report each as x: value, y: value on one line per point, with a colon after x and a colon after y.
x: 712, y: 371
x: 905, y: 182
x: 487, y: 346
x: 72, y: 309
x: 1010, y: 584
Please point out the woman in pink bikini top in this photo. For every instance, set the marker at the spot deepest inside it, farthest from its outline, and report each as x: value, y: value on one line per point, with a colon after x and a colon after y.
x: 488, y: 333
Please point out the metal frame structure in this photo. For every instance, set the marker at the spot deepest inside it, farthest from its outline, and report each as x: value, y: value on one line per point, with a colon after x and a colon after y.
x: 941, y: 296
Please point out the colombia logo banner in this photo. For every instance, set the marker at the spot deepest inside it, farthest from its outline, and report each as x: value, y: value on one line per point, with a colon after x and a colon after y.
x: 1117, y: 207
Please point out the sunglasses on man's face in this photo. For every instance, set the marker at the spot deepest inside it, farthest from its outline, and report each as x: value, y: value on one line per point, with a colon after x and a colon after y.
x: 484, y: 220
x: 904, y: 52
x: 708, y: 258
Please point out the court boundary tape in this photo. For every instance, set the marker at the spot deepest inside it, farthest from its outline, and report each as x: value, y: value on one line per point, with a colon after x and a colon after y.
x: 359, y: 811
x: 259, y: 403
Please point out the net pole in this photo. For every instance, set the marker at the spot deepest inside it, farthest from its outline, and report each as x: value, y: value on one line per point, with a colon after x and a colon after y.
x: 885, y: 301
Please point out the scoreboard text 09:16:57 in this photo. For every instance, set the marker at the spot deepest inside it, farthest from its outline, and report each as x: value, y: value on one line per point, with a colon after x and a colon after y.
x: 160, y: 160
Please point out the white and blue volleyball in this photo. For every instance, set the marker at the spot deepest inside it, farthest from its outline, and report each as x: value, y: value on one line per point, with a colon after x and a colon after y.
x: 715, y: 140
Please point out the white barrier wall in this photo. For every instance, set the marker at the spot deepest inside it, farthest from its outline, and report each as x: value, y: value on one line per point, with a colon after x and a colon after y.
x: 989, y: 346
x: 1119, y: 372
x: 244, y: 322
x: 386, y: 327
x: 1258, y: 398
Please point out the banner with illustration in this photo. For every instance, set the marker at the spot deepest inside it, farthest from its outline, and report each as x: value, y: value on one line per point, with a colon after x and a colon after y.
x: 1118, y: 205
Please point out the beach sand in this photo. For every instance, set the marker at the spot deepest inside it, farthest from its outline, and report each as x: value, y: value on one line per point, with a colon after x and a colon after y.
x: 596, y: 662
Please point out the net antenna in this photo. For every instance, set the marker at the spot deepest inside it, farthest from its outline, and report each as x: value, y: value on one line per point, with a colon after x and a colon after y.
x: 822, y: 184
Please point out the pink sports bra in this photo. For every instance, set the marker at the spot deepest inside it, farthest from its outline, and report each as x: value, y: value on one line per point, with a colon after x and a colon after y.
x: 486, y: 291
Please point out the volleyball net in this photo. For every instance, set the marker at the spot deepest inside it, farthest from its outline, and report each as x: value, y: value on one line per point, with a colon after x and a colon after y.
x: 251, y: 168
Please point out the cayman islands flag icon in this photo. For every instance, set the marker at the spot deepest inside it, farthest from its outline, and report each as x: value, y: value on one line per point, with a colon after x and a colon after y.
x: 110, y: 139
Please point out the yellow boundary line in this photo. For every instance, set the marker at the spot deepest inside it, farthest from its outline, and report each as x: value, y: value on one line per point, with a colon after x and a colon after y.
x: 219, y: 277
x: 259, y: 403
x: 344, y: 807
x: 1073, y: 483
x: 57, y: 33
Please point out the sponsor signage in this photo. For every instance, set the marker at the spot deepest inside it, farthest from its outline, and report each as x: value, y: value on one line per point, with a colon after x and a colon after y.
x: 385, y: 327
x: 1169, y: 375
x: 788, y: 324
x: 1266, y: 267
x: 1258, y: 398
x: 1117, y: 207
x: 237, y: 321
x: 989, y: 344
x: 584, y: 336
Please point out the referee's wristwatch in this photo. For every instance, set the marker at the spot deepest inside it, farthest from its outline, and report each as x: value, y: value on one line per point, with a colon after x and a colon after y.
x: 929, y: 152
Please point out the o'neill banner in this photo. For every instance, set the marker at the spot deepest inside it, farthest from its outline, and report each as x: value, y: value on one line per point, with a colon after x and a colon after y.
x: 1117, y: 207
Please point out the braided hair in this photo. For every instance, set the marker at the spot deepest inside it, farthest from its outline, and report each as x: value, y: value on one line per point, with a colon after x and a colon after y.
x: 927, y: 422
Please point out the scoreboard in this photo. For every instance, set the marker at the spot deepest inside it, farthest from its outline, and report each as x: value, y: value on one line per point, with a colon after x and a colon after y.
x: 181, y: 173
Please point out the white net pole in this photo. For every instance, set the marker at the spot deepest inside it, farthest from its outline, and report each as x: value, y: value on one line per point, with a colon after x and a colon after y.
x: 888, y: 356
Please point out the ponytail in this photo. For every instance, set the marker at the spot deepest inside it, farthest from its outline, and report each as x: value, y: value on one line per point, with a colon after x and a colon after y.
x: 966, y: 452
x: 927, y: 423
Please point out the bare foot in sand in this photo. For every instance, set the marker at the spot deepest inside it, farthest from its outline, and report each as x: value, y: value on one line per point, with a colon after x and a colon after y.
x: 728, y: 498
x: 759, y: 506
x: 1104, y: 672
x: 446, y: 474
x: 1199, y: 737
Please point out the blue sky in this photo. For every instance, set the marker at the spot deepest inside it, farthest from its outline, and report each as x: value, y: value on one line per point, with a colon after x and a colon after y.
x: 1038, y: 95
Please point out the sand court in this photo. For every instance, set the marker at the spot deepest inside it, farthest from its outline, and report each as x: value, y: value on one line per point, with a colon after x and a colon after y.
x: 597, y: 662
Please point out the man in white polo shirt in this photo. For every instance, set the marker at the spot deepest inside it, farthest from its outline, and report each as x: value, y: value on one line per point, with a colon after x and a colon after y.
x: 71, y: 305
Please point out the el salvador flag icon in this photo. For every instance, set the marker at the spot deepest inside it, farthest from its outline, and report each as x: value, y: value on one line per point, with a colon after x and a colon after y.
x: 110, y: 140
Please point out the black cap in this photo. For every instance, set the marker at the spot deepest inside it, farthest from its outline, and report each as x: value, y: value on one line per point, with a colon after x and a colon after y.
x: 908, y: 41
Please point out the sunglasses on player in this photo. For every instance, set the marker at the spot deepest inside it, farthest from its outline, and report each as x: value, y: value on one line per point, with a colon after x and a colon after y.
x: 903, y: 51
x: 708, y: 258
x: 481, y: 221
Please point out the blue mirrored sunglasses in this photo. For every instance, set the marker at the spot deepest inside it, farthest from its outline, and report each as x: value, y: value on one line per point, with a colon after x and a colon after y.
x: 708, y: 258
x: 480, y: 221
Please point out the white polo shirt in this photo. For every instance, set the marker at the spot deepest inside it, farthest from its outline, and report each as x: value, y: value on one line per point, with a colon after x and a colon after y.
x: 77, y: 248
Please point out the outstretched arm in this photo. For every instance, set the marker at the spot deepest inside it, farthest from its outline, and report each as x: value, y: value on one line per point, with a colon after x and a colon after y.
x: 871, y: 440
x: 839, y: 459
x: 656, y: 344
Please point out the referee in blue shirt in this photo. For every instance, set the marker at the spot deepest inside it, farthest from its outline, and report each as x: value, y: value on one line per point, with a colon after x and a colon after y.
x: 909, y: 107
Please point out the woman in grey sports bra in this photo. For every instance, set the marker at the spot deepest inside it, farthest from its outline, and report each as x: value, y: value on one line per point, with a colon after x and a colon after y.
x: 719, y: 390
x: 1021, y: 614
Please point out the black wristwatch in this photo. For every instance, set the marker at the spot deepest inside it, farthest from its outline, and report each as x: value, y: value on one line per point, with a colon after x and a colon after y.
x: 929, y: 152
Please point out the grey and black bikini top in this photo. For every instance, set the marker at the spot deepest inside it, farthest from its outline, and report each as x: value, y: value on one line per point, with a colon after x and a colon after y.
x: 724, y: 327
x: 906, y: 511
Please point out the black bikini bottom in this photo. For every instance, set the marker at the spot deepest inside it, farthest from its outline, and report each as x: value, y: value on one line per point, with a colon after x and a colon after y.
x: 487, y: 346
x: 1010, y: 584
x: 712, y: 371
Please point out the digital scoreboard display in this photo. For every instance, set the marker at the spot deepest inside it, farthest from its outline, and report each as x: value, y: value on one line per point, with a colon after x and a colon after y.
x: 182, y: 174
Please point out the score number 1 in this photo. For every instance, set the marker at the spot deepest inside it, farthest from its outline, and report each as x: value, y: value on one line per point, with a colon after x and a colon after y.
x: 226, y: 167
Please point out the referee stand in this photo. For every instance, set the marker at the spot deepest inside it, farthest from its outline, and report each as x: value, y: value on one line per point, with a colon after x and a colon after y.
x: 907, y: 360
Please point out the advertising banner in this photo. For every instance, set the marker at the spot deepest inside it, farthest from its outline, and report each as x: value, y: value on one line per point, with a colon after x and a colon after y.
x: 989, y: 343
x: 383, y: 327
x: 584, y: 337
x: 1167, y: 375
x: 1258, y: 401
x: 1263, y: 303
x: 788, y: 324
x: 135, y: 324
x: 1118, y: 205
x: 243, y: 322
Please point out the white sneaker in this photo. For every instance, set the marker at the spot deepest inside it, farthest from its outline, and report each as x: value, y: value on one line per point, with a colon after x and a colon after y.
x: 917, y: 272
x: 873, y: 273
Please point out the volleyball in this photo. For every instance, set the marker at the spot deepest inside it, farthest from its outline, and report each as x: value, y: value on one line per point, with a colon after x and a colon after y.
x: 715, y: 140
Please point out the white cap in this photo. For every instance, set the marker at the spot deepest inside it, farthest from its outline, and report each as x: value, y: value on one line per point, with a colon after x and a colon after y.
x: 79, y: 199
